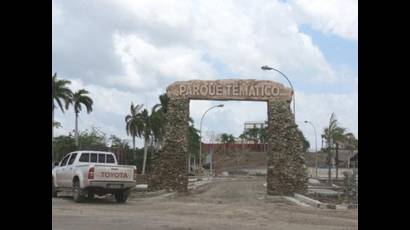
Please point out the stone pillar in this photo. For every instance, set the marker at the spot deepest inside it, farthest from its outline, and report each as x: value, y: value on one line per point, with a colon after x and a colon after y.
x: 169, y: 165
x: 286, y: 172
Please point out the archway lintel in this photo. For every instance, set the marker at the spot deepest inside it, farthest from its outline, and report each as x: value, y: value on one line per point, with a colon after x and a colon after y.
x: 230, y: 89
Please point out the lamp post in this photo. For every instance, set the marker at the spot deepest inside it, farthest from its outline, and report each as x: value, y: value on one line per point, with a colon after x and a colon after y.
x: 200, y: 133
x: 265, y: 67
x: 314, y: 128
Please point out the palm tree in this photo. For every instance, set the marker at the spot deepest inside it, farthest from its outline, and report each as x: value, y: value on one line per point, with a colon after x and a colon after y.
x: 60, y: 94
x: 119, y: 147
x: 252, y: 134
x: 231, y: 139
x: 158, y: 119
x: 305, y: 142
x: 80, y: 98
x: 243, y: 138
x: 351, y: 144
x: 226, y: 138
x: 163, y: 105
x: 57, y: 124
x: 333, y: 134
x: 144, y: 130
x: 338, y: 137
x: 132, y: 121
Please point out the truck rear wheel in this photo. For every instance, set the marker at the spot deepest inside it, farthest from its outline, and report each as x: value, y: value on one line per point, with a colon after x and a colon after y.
x: 77, y: 192
x: 121, y: 197
x: 53, y: 189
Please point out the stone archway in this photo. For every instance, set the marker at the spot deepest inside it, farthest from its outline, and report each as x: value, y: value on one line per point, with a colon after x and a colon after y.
x: 286, y: 172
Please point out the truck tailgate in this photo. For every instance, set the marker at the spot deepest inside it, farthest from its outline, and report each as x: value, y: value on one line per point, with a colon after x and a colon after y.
x: 113, y: 173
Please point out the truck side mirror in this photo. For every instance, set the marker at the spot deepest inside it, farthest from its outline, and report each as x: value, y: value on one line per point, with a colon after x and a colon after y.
x: 56, y: 163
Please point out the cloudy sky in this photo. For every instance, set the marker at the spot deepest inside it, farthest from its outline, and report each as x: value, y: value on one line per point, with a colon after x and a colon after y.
x: 126, y: 51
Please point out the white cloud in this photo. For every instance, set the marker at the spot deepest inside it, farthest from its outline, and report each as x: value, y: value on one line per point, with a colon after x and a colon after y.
x: 339, y: 17
x: 317, y: 108
x: 146, y: 65
x: 129, y: 51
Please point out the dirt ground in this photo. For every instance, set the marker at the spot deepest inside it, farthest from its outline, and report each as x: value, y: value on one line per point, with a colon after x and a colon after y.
x: 227, y: 204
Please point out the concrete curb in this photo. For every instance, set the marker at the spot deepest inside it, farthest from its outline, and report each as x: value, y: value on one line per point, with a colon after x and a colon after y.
x: 307, y: 200
x: 147, y: 194
x: 318, y: 204
x: 291, y: 199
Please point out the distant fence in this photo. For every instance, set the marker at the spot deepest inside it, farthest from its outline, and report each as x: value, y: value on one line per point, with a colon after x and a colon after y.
x: 235, y: 147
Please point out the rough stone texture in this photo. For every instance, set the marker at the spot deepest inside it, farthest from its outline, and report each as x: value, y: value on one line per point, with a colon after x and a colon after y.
x: 169, y: 168
x: 286, y: 173
x: 230, y: 89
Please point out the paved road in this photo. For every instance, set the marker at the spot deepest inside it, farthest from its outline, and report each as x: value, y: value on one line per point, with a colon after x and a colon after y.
x: 238, y: 204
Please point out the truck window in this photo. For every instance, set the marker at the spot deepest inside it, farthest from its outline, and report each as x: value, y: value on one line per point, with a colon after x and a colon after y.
x: 93, y: 157
x: 110, y: 159
x: 85, y: 157
x: 72, y: 158
x: 101, y: 158
x: 64, y: 161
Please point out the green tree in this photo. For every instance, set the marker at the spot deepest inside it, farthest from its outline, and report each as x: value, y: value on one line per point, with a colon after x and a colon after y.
x: 158, y: 120
x: 63, y: 145
x: 132, y: 121
x: 89, y: 140
x: 252, y: 134
x: 115, y: 141
x: 57, y: 124
x: 333, y: 134
x: 121, y: 149
x: 163, y: 105
x: 262, y: 134
x: 351, y: 144
x: 193, y: 142
x: 231, y: 139
x: 305, y: 142
x: 149, y: 127
x: 80, y: 98
x: 93, y: 139
x: 61, y: 95
x: 225, y: 139
x: 144, y: 131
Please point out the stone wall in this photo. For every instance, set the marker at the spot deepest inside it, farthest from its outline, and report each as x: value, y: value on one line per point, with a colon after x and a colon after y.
x: 169, y: 165
x: 286, y: 173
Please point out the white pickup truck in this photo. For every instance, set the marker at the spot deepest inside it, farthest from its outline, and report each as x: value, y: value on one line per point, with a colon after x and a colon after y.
x: 87, y: 173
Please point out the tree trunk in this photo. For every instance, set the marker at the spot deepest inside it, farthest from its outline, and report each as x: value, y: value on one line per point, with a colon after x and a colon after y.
x: 321, y: 148
x: 189, y: 163
x: 194, y: 163
x: 76, y: 130
x: 133, y: 149
x: 152, y: 148
x: 329, y: 163
x: 52, y: 134
x: 337, y: 160
x: 145, y: 155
